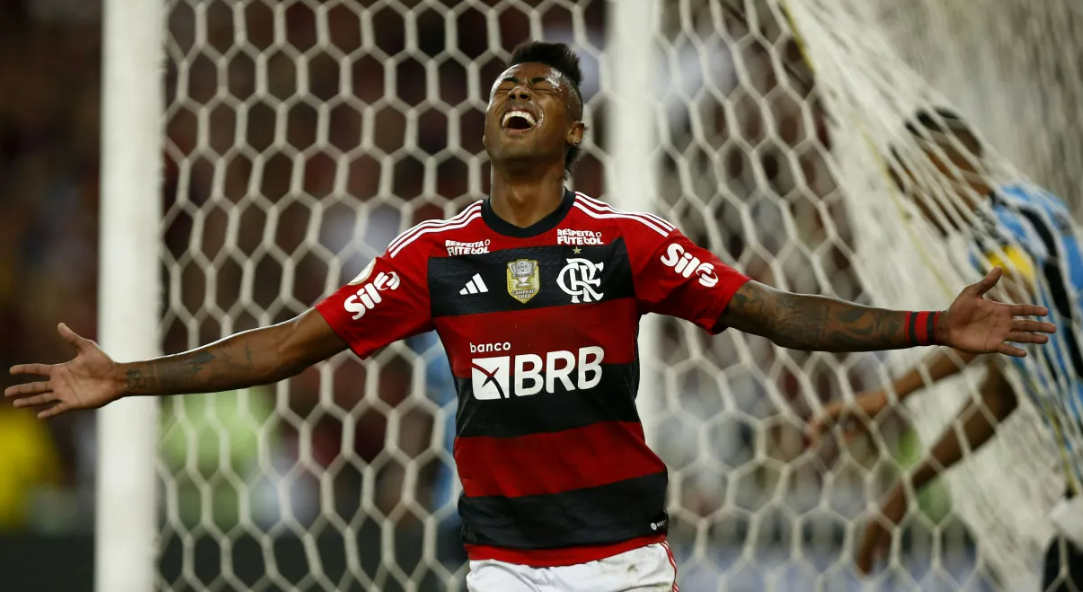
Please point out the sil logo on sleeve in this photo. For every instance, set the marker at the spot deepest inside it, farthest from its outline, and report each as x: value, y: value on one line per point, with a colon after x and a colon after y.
x: 686, y: 264
x: 368, y: 296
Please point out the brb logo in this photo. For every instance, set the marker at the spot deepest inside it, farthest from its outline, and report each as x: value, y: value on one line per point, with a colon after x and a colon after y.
x: 528, y: 374
x: 369, y: 295
x: 686, y: 264
x: 578, y: 280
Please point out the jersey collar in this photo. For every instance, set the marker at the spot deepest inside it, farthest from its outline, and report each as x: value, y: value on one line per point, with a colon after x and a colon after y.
x: 501, y: 226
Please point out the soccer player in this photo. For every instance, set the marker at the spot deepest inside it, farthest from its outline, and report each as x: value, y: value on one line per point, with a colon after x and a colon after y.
x: 1029, y: 232
x: 536, y: 294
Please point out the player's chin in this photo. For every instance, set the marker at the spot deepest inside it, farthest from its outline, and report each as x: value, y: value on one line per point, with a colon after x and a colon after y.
x: 518, y: 136
x: 519, y: 148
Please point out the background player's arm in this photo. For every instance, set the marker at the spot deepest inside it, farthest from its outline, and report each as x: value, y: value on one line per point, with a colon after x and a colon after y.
x: 800, y: 321
x: 943, y: 364
x: 866, y: 406
x: 975, y: 425
x: 979, y: 421
x: 255, y: 357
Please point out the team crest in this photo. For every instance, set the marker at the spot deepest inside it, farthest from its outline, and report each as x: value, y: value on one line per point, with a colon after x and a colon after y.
x: 523, y: 280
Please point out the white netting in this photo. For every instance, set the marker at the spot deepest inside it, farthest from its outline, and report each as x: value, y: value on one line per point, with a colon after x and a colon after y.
x: 1011, y: 66
x: 303, y: 136
x: 1005, y: 492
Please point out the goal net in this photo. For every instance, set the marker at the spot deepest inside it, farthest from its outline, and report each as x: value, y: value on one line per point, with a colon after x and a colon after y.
x: 303, y: 136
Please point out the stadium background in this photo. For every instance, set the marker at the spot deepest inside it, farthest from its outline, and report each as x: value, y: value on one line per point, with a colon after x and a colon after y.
x: 49, y: 153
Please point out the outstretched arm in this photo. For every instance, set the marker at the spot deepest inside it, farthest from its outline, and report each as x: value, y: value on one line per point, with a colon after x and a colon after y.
x: 1019, y: 287
x: 251, y: 358
x: 259, y: 356
x: 799, y: 321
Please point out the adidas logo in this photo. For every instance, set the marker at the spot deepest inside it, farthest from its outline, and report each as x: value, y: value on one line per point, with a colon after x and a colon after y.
x: 474, y: 286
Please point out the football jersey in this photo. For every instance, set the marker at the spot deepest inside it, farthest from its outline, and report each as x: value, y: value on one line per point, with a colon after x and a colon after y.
x: 1030, y: 232
x: 539, y: 325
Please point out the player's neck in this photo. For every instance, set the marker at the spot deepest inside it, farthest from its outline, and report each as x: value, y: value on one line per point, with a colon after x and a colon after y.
x: 523, y: 198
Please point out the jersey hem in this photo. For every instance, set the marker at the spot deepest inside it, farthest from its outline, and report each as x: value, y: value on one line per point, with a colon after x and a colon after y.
x: 559, y: 557
x: 329, y: 318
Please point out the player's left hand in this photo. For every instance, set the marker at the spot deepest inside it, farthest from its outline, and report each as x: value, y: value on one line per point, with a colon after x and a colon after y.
x: 976, y: 325
x: 877, y: 540
x: 856, y: 416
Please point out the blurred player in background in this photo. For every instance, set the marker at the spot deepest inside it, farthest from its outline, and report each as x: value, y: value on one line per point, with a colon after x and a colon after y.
x: 536, y: 294
x: 1029, y: 233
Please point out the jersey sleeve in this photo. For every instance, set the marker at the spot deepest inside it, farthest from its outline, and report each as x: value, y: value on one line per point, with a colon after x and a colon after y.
x: 676, y: 277
x: 386, y: 302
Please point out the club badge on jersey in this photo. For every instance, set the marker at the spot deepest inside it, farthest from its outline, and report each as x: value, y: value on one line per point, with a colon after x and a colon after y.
x: 579, y: 278
x: 523, y: 280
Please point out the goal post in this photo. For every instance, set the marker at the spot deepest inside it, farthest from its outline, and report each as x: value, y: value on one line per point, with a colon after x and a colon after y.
x: 300, y: 137
x: 632, y: 167
x: 129, y: 292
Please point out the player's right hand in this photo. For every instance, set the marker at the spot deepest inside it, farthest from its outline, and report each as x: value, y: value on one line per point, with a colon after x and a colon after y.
x: 88, y: 381
x: 855, y: 417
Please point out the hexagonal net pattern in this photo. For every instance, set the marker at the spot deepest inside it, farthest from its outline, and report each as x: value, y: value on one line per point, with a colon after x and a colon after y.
x: 304, y: 135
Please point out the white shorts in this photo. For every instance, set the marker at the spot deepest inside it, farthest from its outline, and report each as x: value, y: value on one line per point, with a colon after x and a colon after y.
x: 639, y: 570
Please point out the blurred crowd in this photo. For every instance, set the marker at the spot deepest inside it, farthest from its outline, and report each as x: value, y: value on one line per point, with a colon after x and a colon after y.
x: 49, y: 102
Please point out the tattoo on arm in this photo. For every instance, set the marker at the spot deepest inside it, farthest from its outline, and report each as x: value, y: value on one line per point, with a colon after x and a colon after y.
x: 259, y: 356
x: 180, y: 373
x: 225, y: 365
x: 800, y: 321
x: 136, y: 380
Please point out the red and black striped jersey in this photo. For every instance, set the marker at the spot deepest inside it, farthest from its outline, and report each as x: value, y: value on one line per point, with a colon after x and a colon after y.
x: 540, y: 326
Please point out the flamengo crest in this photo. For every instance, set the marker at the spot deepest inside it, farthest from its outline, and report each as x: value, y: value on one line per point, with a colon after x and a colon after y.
x: 523, y: 280
x: 579, y: 278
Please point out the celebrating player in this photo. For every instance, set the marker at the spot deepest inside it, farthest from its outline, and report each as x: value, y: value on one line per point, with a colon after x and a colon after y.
x: 1029, y: 233
x: 536, y: 293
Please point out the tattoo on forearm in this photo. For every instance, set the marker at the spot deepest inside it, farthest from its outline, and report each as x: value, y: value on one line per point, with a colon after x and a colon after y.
x: 136, y: 380
x: 800, y: 321
x: 243, y: 360
x: 173, y: 374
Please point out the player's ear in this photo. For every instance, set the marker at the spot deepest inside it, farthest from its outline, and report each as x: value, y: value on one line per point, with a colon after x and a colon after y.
x: 575, y: 133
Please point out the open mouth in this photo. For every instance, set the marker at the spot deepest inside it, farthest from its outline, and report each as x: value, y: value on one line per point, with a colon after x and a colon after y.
x: 517, y: 121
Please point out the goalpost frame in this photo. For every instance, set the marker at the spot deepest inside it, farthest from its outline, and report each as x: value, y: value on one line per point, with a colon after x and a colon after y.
x: 129, y: 292
x: 630, y: 174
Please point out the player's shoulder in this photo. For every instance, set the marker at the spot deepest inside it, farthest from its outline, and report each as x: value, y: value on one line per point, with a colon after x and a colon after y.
x: 420, y: 240
x: 594, y: 214
x: 1025, y: 197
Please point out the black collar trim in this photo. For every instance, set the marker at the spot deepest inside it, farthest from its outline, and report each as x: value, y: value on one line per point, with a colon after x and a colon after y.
x: 549, y: 222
